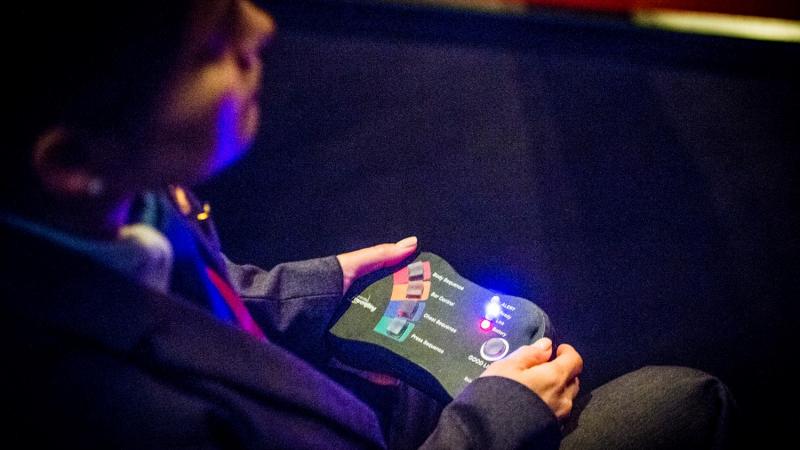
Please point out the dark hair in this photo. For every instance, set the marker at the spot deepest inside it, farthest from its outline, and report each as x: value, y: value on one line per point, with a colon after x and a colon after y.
x: 95, y: 64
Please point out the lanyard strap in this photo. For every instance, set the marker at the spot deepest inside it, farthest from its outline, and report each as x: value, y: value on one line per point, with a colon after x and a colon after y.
x: 236, y: 305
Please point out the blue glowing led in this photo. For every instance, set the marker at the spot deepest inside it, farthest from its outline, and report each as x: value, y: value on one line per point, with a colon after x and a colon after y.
x: 493, y: 308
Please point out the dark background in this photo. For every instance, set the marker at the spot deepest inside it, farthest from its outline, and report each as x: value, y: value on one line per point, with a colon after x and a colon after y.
x: 638, y: 185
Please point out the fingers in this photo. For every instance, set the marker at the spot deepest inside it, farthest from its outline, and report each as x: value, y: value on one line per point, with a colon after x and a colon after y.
x: 531, y: 355
x: 568, y: 361
x: 555, y: 382
x: 566, y: 399
x: 572, y: 388
x: 361, y: 262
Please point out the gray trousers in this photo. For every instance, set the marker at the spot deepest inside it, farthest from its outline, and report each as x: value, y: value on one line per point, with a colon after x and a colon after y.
x: 656, y: 407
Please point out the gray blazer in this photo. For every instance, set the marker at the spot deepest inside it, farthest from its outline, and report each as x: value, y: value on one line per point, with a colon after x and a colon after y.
x: 95, y: 360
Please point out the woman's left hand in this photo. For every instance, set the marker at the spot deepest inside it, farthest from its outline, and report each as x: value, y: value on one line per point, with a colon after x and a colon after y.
x: 358, y: 263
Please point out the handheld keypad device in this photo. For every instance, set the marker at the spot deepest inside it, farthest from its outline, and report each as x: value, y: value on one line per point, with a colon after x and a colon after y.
x: 429, y: 326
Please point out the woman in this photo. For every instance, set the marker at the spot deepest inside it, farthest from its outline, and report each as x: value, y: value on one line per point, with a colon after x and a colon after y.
x: 125, y: 328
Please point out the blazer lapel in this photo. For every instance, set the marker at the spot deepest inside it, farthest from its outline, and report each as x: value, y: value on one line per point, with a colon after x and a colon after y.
x: 69, y: 294
x: 195, y: 343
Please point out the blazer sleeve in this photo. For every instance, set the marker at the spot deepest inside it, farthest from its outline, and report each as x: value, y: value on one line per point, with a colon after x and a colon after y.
x: 496, y: 413
x: 294, y: 302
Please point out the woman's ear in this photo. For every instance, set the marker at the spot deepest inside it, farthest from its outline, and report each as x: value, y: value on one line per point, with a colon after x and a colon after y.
x: 61, y: 169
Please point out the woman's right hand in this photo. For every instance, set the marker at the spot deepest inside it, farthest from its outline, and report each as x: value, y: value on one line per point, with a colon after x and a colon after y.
x: 555, y: 382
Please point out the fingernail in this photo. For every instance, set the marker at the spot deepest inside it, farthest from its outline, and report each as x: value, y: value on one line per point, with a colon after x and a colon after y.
x: 407, y: 242
x: 543, y: 344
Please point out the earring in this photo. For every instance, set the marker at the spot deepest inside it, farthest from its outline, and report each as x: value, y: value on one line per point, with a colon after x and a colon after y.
x: 95, y: 187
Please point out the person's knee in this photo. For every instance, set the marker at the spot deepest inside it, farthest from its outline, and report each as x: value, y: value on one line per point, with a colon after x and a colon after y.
x: 678, y: 382
x: 690, y: 389
x: 656, y: 407
x: 688, y: 396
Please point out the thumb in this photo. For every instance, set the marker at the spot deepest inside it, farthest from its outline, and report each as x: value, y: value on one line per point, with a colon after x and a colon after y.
x: 358, y: 263
x: 532, y: 355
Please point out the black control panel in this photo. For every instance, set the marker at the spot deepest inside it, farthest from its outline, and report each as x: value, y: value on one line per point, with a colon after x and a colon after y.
x: 429, y: 326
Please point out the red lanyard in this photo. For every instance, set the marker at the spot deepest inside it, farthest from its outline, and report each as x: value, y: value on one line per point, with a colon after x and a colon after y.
x: 236, y: 304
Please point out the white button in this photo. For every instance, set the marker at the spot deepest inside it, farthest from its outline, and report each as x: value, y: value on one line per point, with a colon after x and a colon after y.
x: 494, y: 349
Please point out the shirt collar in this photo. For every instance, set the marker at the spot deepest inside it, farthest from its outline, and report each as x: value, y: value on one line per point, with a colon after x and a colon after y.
x: 140, y: 251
